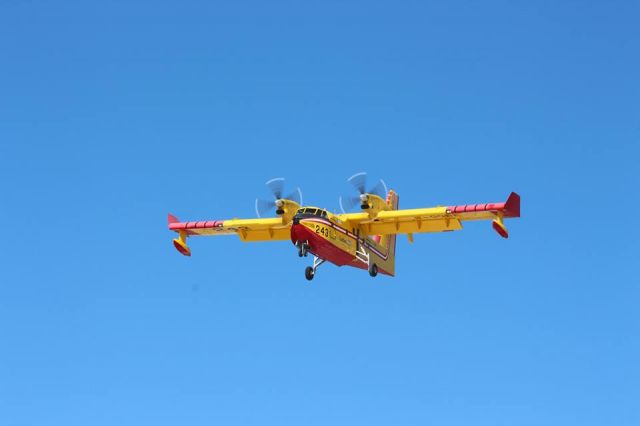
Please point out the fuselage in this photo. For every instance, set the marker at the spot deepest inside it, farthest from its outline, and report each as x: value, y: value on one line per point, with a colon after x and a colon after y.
x: 332, y: 240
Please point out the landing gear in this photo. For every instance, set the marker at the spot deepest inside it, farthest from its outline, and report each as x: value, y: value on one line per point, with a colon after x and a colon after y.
x: 373, y: 270
x: 310, y: 271
x: 303, y: 248
x: 363, y: 256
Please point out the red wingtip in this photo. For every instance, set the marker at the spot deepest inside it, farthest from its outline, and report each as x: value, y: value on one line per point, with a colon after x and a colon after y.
x: 512, y: 206
x: 172, y: 219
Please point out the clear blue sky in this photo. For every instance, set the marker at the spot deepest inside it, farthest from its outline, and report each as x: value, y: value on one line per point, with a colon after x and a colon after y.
x: 113, y: 114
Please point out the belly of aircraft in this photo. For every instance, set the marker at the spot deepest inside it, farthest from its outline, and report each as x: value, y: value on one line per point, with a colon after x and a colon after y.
x: 326, y: 242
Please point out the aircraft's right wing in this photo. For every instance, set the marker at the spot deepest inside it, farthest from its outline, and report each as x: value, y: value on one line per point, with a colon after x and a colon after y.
x: 435, y: 219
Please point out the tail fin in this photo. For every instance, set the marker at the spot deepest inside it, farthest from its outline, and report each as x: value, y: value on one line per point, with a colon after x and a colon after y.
x: 512, y: 206
x: 511, y: 209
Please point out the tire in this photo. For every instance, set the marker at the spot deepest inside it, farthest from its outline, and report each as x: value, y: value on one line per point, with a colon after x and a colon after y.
x: 373, y: 270
x: 308, y: 273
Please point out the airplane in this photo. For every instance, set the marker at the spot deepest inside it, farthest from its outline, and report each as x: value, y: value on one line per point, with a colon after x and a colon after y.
x: 364, y: 239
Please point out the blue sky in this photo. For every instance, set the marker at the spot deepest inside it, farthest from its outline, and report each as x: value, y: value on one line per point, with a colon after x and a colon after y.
x: 113, y: 114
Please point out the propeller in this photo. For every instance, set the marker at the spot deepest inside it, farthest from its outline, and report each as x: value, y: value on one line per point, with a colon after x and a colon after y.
x: 359, y: 182
x: 276, y: 186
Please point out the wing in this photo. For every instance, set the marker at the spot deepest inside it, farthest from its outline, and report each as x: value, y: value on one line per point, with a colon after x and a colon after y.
x: 435, y: 219
x: 406, y: 221
x: 259, y: 229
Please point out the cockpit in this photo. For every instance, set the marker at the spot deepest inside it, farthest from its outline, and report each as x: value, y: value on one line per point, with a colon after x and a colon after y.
x: 310, y: 212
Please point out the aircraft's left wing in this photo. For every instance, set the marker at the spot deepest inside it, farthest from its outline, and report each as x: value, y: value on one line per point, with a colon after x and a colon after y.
x: 258, y: 229
x: 406, y: 221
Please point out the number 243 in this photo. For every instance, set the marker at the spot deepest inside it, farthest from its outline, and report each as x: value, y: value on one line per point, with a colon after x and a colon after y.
x: 322, y: 230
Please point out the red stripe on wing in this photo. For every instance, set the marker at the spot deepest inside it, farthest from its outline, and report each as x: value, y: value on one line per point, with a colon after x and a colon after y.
x: 510, y: 208
x: 188, y: 227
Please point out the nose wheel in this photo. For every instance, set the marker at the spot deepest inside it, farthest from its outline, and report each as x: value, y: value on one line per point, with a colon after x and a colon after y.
x: 310, y: 271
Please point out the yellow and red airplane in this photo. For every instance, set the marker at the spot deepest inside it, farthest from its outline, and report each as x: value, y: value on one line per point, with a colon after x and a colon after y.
x: 365, y: 239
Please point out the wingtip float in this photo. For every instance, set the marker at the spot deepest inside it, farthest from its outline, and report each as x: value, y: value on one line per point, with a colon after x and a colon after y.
x: 365, y: 239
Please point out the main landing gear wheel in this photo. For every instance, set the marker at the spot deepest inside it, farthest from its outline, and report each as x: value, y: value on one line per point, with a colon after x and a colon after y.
x: 373, y: 270
x: 309, y: 273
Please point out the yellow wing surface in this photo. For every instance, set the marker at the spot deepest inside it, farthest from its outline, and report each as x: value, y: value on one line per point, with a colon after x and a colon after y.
x: 258, y: 229
x: 406, y: 221
x: 434, y: 219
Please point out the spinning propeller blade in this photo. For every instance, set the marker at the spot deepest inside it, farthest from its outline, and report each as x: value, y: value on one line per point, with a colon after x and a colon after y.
x: 380, y: 189
x: 276, y: 186
x: 263, y: 206
x: 295, y: 196
x: 347, y: 203
x: 359, y: 182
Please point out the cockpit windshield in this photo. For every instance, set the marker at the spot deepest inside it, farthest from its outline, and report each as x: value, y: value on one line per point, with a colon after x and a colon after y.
x: 312, y: 211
